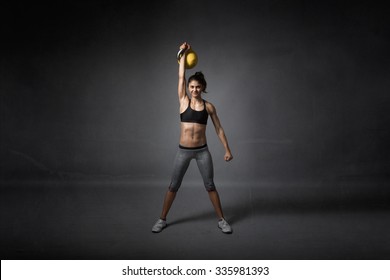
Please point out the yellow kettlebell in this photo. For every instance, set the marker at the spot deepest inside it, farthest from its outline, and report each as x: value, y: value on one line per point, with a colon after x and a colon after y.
x: 191, y: 58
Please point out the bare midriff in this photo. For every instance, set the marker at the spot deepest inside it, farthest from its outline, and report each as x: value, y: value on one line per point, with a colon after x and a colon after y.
x: 192, y: 134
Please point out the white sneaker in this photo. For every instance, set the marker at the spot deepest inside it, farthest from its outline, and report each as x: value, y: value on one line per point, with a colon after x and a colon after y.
x: 159, y: 225
x: 224, y: 226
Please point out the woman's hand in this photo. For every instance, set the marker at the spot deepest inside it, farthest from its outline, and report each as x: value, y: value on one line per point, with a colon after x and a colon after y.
x: 228, y: 156
x: 185, y: 46
x: 183, y: 50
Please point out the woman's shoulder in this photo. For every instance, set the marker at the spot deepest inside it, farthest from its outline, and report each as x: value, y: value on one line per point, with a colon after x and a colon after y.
x: 209, y: 106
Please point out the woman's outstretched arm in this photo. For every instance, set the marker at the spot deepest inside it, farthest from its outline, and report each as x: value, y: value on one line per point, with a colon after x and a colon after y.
x: 182, y: 79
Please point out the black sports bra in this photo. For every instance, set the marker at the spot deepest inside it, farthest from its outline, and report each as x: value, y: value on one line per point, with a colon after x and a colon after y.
x: 193, y: 116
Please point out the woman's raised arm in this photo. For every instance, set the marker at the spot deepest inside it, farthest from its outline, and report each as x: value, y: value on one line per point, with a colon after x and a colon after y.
x: 181, y: 89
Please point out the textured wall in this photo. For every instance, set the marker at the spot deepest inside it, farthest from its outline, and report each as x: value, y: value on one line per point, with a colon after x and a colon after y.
x: 88, y: 91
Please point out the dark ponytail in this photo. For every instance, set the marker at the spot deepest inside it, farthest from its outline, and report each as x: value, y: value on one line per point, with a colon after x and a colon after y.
x: 199, y: 77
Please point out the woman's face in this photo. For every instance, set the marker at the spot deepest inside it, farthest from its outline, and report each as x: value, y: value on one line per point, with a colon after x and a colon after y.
x: 195, y: 88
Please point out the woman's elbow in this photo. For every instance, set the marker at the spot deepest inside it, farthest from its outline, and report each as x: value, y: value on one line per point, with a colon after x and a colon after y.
x: 219, y: 131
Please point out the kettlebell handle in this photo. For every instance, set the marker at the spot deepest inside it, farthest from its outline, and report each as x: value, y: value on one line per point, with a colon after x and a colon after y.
x: 180, y: 53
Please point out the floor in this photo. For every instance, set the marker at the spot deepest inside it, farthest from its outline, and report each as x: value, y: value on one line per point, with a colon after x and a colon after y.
x: 113, y: 220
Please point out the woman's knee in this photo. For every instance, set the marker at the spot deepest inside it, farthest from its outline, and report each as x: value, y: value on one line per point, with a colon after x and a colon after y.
x: 173, y: 187
x: 210, y: 187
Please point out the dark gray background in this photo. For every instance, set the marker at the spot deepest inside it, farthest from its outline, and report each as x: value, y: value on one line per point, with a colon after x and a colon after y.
x: 301, y: 88
x: 88, y: 92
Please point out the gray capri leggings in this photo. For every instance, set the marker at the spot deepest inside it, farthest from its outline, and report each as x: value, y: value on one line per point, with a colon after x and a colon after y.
x: 182, y: 161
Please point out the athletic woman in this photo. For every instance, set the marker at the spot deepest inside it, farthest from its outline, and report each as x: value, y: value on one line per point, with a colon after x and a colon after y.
x: 194, y: 112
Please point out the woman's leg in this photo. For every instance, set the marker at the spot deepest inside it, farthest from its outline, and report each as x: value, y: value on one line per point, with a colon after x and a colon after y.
x: 168, y: 200
x: 214, y: 197
x: 205, y: 165
x: 180, y: 166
